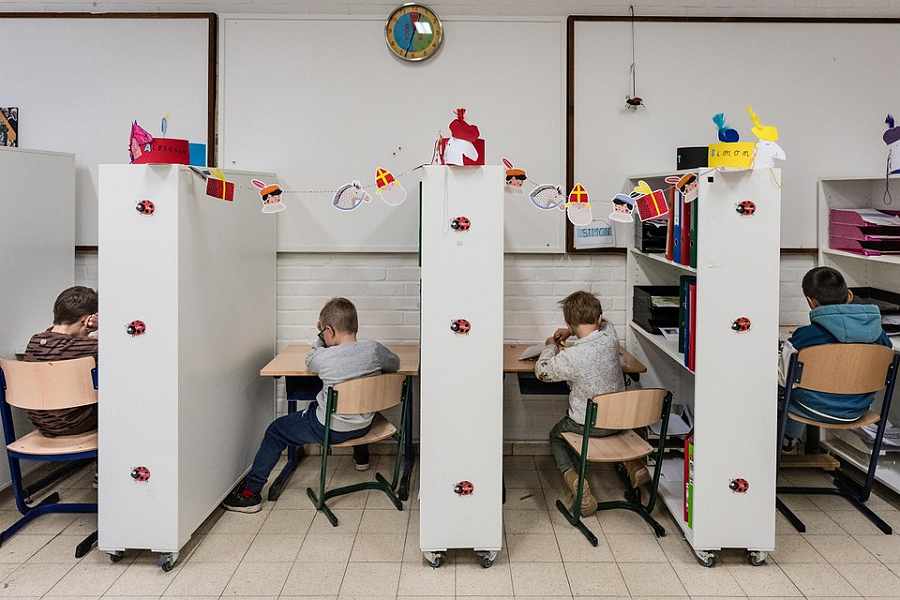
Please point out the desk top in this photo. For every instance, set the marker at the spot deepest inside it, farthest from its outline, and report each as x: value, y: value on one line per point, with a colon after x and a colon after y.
x: 292, y: 361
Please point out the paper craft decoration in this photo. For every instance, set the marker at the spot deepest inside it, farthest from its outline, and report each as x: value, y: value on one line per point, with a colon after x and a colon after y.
x: 350, y: 196
x: 464, y: 147
x: 515, y: 178
x: 218, y: 187
x: 547, y: 197
x: 197, y: 154
x: 891, y: 137
x: 652, y: 205
x: 389, y: 189
x: 140, y: 142
x: 765, y: 133
x: 145, y: 149
x: 270, y: 194
x: 767, y: 148
x: 578, y: 207
x: 9, y: 126
x: 623, y: 207
x: 689, y: 186
x: 642, y: 188
x: 735, y: 155
x: 726, y: 133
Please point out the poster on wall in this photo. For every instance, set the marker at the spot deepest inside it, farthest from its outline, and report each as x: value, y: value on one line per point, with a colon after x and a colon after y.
x: 9, y: 126
x: 599, y: 234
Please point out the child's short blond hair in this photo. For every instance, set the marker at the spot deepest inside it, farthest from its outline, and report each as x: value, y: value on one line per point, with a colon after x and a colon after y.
x: 581, y: 308
x: 340, y: 315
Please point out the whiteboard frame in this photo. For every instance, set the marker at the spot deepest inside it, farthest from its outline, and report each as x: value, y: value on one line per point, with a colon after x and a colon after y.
x: 571, y: 21
x: 558, y: 246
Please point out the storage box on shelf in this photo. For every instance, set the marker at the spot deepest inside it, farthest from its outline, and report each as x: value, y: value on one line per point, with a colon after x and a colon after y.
x: 879, y: 271
x: 732, y: 384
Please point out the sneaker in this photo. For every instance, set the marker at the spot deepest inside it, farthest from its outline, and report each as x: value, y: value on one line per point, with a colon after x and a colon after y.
x: 588, y: 502
x: 638, y: 474
x: 244, y: 500
x: 361, y: 457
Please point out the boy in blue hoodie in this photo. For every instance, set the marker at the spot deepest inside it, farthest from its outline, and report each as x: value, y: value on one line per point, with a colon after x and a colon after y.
x: 833, y: 319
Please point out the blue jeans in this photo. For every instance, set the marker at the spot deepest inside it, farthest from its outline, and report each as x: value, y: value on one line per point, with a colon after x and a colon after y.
x: 294, y: 429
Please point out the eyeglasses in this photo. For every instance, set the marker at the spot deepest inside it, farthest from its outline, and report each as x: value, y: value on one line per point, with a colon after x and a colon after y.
x: 321, y: 334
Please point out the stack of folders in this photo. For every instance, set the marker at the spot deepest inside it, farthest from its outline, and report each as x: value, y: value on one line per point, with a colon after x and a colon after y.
x: 681, y: 233
x: 687, y: 320
x: 865, y: 231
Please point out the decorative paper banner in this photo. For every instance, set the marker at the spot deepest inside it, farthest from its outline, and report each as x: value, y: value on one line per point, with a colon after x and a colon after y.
x: 389, y: 189
x: 270, y: 194
x: 350, y: 196
x: 216, y: 185
x: 623, y: 207
x: 689, y: 186
x: 515, y: 177
x: 652, y: 206
x: 464, y: 147
x: 578, y: 207
x: 139, y: 143
x: 547, y: 197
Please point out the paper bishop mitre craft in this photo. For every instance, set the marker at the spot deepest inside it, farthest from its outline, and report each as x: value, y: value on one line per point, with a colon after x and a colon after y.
x: 578, y: 207
x: 389, y: 189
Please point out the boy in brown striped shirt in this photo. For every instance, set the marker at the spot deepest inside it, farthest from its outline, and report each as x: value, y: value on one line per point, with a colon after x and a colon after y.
x: 74, y: 320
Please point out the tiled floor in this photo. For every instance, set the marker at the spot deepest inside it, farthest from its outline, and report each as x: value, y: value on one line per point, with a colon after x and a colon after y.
x: 290, y: 551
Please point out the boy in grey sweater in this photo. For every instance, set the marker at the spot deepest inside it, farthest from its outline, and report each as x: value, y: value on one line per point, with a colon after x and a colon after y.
x: 336, y: 357
x: 586, y: 355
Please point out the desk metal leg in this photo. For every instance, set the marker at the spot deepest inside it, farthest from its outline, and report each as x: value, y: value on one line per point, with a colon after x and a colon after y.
x: 294, y: 455
x: 409, y: 450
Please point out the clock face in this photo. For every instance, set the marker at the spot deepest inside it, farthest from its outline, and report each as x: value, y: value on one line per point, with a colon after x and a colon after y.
x: 413, y: 32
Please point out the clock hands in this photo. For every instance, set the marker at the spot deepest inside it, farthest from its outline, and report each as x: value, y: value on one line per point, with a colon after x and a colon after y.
x: 412, y: 36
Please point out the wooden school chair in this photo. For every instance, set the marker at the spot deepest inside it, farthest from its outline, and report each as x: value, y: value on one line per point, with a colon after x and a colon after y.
x: 841, y: 369
x: 46, y: 386
x: 625, y: 411
x: 363, y: 395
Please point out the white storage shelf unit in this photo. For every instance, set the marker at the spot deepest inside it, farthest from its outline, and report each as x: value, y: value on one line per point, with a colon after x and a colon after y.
x: 881, y: 272
x: 733, y: 389
x: 184, y: 400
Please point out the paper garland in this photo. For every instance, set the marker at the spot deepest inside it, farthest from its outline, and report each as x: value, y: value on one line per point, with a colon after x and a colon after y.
x: 270, y: 194
x: 350, y: 196
x: 578, y: 207
x: 388, y: 188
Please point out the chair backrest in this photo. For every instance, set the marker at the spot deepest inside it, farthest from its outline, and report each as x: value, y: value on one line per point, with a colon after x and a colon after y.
x: 845, y: 368
x: 631, y: 409
x: 49, y: 385
x: 369, y: 394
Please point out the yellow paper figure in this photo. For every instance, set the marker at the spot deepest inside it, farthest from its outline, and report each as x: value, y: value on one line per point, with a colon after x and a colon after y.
x: 642, y: 188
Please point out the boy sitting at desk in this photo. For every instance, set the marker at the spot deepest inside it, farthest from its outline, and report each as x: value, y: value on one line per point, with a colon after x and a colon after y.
x: 336, y: 356
x: 74, y: 321
x: 590, y: 365
x: 833, y: 319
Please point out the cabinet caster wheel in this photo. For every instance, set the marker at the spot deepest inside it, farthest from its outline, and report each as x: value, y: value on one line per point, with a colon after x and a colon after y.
x: 435, y: 559
x: 486, y: 559
x: 167, y: 561
x: 757, y: 557
x: 115, y: 557
x: 706, y: 559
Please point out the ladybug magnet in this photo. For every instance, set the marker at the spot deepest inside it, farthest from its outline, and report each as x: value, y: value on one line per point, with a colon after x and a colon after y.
x: 460, y: 224
x: 745, y: 208
x: 460, y: 326
x: 463, y: 488
x: 145, y: 207
x: 136, y: 328
x: 741, y: 325
x: 739, y: 485
x: 140, y: 474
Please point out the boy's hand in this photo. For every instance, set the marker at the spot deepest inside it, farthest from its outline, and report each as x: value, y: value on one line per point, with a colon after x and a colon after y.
x: 559, y: 336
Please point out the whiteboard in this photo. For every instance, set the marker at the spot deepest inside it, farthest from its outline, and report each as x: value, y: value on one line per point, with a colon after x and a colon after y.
x: 79, y: 83
x: 322, y: 102
x: 827, y: 86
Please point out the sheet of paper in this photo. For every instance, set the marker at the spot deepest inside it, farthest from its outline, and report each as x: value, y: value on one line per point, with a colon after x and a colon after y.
x: 532, y: 351
x: 670, y: 333
x: 875, y: 217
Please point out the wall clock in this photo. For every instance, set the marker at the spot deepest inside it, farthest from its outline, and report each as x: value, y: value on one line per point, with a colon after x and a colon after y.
x: 413, y: 32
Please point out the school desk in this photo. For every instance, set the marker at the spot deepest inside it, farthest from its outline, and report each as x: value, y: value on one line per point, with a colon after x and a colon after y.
x: 302, y: 385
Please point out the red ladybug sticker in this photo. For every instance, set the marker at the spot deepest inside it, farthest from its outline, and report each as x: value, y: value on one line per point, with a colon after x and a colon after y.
x: 136, y: 328
x: 146, y: 207
x: 460, y: 224
x: 464, y: 488
x: 739, y: 486
x: 741, y: 324
x: 746, y: 208
x: 140, y: 473
x: 460, y: 326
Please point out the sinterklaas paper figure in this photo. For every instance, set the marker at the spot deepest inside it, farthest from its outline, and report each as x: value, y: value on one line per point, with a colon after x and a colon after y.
x: 578, y: 207
x: 464, y: 147
x: 389, y: 189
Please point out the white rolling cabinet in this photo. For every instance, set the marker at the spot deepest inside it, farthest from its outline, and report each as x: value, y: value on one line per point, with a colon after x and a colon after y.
x: 37, y: 251
x: 461, y: 372
x: 733, y: 391
x: 182, y: 406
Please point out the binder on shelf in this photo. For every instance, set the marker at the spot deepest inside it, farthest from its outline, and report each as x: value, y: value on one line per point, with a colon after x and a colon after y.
x: 684, y: 314
x: 670, y: 227
x: 686, y: 231
x: 676, y: 243
x: 692, y: 328
x: 695, y: 206
x: 689, y: 481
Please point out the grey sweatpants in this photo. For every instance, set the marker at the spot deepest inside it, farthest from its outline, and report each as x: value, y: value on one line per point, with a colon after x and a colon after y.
x: 562, y: 452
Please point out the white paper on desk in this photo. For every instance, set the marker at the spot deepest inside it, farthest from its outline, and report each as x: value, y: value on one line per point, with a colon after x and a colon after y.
x: 532, y: 351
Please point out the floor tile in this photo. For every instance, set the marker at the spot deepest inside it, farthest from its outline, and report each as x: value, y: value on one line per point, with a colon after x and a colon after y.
x: 677, y: 550
x: 201, y: 579
x: 539, y: 579
x: 143, y: 577
x: 885, y: 547
x: 526, y: 521
x: 371, y: 579
x: 236, y: 522
x: 326, y: 548
x: 526, y: 499
x: 795, y: 549
x: 622, y: 521
x: 518, y: 463
x: 651, y: 579
x: 854, y: 522
x: 222, y: 547
x: 816, y: 521
x: 348, y: 522
x: 88, y: 579
x: 378, y: 500
x: 33, y: 580
x: 52, y: 523
x: 472, y: 580
x: 268, y: 547
x: 82, y: 525
x: 22, y: 547
x: 519, y: 479
x: 767, y: 580
x: 533, y: 547
x: 574, y: 547
x: 595, y: 579
x: 411, y: 551
x: 818, y: 580
x: 378, y: 547
x: 870, y: 579
x: 840, y: 548
x: 257, y: 579
x: 288, y: 521
x: 422, y: 580
x: 384, y: 521
x: 635, y: 548
x: 701, y: 581
x: 60, y: 549
x: 314, y: 579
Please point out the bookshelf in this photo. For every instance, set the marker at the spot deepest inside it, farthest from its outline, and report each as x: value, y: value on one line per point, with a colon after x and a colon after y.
x: 732, y: 387
x: 880, y: 271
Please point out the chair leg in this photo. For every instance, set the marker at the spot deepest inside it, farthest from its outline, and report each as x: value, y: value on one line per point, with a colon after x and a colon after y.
x: 789, y: 515
x: 85, y: 545
x: 574, y: 519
